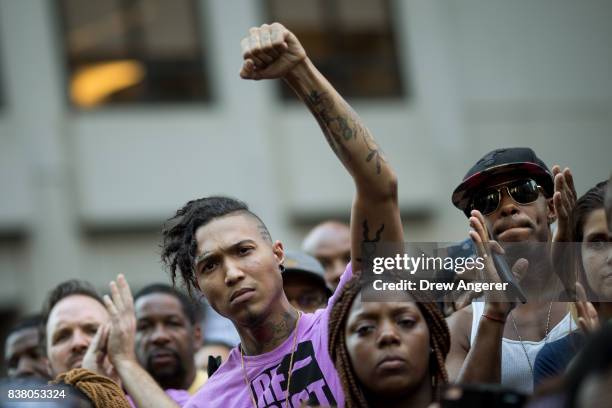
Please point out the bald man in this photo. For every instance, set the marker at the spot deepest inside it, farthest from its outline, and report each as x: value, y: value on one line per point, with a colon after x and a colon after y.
x: 330, y: 243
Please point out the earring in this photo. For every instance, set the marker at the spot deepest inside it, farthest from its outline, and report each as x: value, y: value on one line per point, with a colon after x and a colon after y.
x: 281, y: 267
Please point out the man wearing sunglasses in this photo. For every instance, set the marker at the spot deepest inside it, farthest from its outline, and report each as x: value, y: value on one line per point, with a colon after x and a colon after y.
x: 304, y: 282
x: 511, y: 198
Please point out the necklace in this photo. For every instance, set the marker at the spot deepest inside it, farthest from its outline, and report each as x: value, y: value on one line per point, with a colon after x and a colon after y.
x: 521, y: 340
x: 246, y: 377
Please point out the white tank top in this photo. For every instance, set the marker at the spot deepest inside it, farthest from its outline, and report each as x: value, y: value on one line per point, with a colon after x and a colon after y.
x: 515, y: 371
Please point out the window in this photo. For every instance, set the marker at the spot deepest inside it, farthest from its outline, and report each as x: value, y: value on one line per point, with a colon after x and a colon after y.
x: 133, y: 51
x: 351, y: 42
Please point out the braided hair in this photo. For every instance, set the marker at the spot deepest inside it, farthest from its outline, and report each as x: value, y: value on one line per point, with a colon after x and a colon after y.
x: 439, y: 338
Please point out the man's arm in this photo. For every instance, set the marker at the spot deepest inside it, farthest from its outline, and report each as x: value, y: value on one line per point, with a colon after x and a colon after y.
x: 483, y: 359
x: 459, y: 326
x: 272, y: 51
x: 480, y: 363
x: 140, y: 386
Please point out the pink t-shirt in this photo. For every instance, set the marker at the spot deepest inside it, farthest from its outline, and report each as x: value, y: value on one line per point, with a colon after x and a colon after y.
x: 314, y: 378
x: 178, y: 396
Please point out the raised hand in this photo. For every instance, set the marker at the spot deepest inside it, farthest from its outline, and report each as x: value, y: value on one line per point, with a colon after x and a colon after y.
x: 122, y: 327
x: 138, y: 383
x: 96, y: 358
x: 588, y: 320
x: 484, y: 248
x: 562, y: 254
x: 95, y: 355
x: 270, y: 51
x: 564, y: 200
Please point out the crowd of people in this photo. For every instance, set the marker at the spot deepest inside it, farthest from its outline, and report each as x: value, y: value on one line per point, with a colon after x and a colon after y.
x: 305, y: 334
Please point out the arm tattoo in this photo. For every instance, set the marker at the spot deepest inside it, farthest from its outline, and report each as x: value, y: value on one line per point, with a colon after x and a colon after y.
x: 368, y: 244
x: 366, y: 232
x: 320, y: 105
x: 374, y: 153
x: 340, y: 129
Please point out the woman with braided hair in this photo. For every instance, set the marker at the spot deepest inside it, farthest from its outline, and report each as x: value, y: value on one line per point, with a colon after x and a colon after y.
x: 387, y: 354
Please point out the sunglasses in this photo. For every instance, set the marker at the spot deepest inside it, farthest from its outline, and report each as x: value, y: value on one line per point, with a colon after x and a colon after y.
x: 487, y: 201
x: 311, y: 300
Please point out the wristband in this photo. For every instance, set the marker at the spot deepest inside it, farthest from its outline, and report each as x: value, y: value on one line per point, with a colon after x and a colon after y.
x: 495, y: 319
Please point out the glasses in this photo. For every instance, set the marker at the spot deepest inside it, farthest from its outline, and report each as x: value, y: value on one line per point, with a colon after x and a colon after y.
x: 310, y: 300
x: 521, y: 191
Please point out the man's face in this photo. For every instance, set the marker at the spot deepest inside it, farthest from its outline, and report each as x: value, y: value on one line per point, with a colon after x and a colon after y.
x: 237, y: 268
x: 304, y: 293
x: 514, y: 222
x: 72, y: 324
x: 23, y: 354
x: 165, y: 340
x: 330, y: 243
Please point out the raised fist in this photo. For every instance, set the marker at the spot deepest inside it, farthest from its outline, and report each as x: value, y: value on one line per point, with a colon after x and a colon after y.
x: 270, y: 51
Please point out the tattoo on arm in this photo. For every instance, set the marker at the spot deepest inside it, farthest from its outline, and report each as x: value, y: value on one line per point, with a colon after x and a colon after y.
x: 341, y: 129
x: 319, y: 105
x: 374, y: 153
x: 366, y: 232
x: 369, y: 244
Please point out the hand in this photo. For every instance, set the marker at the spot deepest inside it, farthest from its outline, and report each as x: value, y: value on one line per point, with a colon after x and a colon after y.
x: 588, y: 320
x: 564, y: 200
x: 270, y: 51
x: 466, y: 297
x: 96, y: 352
x: 562, y: 254
x: 96, y: 357
x: 485, y: 247
x: 122, y: 329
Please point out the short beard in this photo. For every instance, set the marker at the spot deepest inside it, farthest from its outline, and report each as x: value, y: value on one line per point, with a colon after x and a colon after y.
x: 169, y: 378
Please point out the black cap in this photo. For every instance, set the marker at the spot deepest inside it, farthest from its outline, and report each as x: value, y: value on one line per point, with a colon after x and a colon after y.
x: 300, y: 263
x: 513, y: 162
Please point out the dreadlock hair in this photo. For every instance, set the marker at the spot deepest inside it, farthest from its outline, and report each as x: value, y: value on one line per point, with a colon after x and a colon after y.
x: 178, y: 234
x: 439, y: 339
x: 590, y: 201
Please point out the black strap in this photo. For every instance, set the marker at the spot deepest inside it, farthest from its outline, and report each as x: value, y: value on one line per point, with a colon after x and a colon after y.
x: 214, y: 362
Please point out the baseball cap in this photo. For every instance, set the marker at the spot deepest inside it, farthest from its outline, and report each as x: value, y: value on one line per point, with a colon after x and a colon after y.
x: 299, y: 263
x: 514, y: 162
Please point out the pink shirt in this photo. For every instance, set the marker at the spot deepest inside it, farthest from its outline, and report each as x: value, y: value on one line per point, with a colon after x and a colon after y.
x: 314, y: 378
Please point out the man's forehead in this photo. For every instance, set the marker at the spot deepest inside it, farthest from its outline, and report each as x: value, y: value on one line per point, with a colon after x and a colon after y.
x: 328, y: 242
x: 502, y: 179
x: 226, y: 231
x: 158, y: 304
x: 78, y: 308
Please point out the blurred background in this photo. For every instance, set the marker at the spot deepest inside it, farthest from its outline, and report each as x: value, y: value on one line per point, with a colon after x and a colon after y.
x: 114, y: 113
